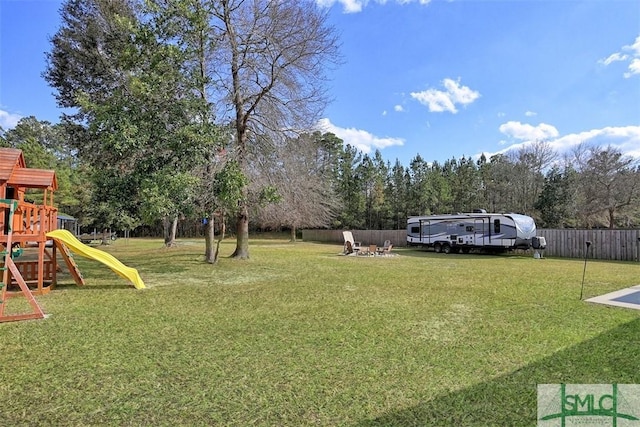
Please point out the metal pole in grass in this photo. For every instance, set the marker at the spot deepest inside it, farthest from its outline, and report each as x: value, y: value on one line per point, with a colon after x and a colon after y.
x: 586, y: 253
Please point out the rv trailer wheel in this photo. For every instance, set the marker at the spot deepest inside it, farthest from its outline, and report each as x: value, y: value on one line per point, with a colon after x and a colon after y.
x: 437, y: 247
x: 446, y: 248
x: 466, y: 250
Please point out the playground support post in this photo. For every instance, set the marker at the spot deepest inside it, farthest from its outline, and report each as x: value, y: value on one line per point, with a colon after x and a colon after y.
x: 586, y: 253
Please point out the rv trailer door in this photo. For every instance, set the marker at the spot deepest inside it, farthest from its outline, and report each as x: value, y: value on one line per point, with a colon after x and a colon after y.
x: 478, y: 232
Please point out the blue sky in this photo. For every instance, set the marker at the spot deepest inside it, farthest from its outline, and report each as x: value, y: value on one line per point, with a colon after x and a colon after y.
x: 439, y: 78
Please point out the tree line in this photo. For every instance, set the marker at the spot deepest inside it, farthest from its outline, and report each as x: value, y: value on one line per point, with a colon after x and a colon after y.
x: 315, y: 180
x: 589, y: 186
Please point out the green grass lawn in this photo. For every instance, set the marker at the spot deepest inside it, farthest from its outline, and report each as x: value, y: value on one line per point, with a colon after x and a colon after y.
x: 299, y: 336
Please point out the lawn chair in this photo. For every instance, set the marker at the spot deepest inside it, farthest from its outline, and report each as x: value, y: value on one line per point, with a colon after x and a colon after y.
x: 386, y: 249
x: 350, y: 245
x: 373, y: 250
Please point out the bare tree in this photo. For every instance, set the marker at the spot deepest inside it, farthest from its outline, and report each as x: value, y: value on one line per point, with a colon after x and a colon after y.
x: 610, y: 183
x: 270, y: 62
x: 296, y: 169
x: 528, y: 178
x: 578, y: 157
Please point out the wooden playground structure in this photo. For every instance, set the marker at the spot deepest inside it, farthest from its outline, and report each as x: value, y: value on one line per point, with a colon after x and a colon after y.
x: 28, y: 258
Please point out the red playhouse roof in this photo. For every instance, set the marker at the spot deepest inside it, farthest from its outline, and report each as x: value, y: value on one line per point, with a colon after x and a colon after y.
x: 13, y: 172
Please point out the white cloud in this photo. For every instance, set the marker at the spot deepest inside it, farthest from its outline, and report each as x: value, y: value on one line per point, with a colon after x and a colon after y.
x: 634, y: 68
x: 349, y: 6
x: 439, y: 101
x: 614, y: 57
x: 626, y: 139
x: 423, y: 2
x: 635, y: 47
x: 398, y: 108
x: 361, y: 139
x: 8, y: 120
x: 633, y: 58
x: 527, y: 132
x: 355, y: 6
x: 530, y: 113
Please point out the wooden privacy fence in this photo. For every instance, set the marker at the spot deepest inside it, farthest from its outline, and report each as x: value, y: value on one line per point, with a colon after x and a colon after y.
x: 618, y: 245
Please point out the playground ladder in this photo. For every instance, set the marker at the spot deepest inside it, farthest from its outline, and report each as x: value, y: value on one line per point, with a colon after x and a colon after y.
x: 71, y: 263
x: 10, y: 267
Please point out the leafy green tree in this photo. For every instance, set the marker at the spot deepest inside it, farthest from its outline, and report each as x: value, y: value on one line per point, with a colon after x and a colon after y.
x: 440, y: 177
x: 350, y: 190
x: 90, y: 68
x: 168, y: 196
x: 106, y: 209
x: 228, y: 190
x: 329, y: 147
x: 366, y: 173
x: 420, y: 190
x: 139, y: 112
x: 46, y: 146
x: 496, y: 186
x: 397, y: 191
x: 186, y: 25
x: 381, y: 209
x: 466, y: 186
x: 555, y: 200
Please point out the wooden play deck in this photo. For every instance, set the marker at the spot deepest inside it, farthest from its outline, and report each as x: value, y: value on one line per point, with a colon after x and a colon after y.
x: 23, y: 227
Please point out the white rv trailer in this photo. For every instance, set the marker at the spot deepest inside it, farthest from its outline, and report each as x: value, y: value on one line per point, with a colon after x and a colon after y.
x: 491, y: 232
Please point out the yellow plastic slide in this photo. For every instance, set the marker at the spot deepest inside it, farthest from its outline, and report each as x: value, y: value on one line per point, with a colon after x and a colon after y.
x: 65, y: 237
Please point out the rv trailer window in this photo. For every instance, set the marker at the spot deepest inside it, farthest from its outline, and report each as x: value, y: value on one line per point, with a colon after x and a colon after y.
x: 415, y: 230
x: 469, y: 228
x: 496, y: 225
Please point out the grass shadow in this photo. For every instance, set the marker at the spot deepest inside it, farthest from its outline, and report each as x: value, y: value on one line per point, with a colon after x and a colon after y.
x: 511, y: 400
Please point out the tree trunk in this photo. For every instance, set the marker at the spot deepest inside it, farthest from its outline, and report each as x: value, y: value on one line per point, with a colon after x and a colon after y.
x: 242, y: 228
x: 220, y: 238
x: 293, y: 233
x: 612, y: 218
x: 209, y: 237
x: 165, y: 230
x: 174, y: 230
x: 170, y: 231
